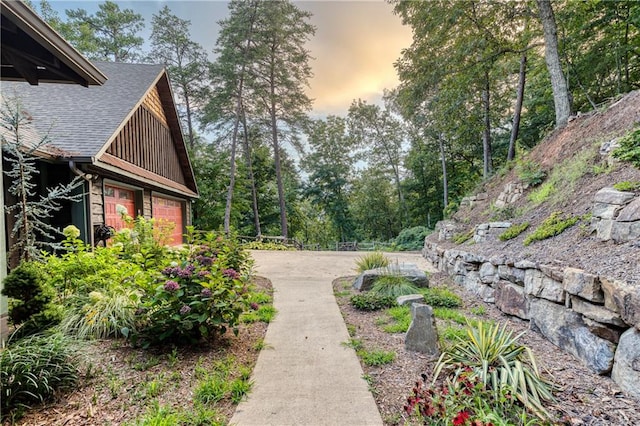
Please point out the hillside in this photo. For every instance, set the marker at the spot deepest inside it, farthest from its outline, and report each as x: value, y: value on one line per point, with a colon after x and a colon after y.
x: 572, y: 159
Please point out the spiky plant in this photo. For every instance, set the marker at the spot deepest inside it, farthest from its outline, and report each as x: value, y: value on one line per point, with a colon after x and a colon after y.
x: 371, y: 261
x: 500, y: 363
x: 394, y: 286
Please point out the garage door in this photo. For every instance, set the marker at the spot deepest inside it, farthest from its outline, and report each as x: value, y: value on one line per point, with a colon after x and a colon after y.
x: 115, y: 196
x: 169, y: 210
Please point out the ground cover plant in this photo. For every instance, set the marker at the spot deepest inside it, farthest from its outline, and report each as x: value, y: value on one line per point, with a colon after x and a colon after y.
x: 150, y: 303
x: 371, y: 261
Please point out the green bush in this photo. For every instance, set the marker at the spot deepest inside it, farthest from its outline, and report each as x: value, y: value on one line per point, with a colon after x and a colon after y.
x: 438, y: 297
x: 371, y: 261
x: 200, y: 297
x: 530, y: 173
x: 31, y: 298
x: 262, y: 245
x: 376, y: 357
x: 513, y: 231
x: 552, y: 226
x: 371, y: 301
x: 393, y: 286
x: 630, y: 186
x: 412, y: 238
x: 491, y: 355
x: 629, y: 149
x: 33, y: 369
x: 145, y: 241
x: 463, y: 237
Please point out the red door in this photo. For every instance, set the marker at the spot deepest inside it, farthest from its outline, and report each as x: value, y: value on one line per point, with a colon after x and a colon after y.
x: 117, y: 199
x: 167, y: 210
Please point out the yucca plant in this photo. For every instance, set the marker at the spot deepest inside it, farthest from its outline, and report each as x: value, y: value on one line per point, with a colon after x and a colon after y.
x: 394, y: 286
x: 500, y: 363
x: 371, y: 261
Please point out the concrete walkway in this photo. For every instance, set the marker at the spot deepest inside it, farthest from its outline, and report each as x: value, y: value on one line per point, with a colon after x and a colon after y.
x: 305, y: 375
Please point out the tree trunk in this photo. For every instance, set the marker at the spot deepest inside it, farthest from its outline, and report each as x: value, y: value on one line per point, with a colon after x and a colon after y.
x: 486, y: 133
x: 515, y: 129
x: 232, y: 164
x: 276, y: 158
x: 252, y: 179
x: 552, y: 58
x: 445, y: 184
x: 187, y: 104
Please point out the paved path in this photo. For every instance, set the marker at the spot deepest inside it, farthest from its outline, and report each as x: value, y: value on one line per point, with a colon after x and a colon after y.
x: 305, y: 375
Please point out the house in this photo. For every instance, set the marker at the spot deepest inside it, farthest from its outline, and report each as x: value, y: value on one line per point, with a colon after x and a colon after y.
x: 124, y: 138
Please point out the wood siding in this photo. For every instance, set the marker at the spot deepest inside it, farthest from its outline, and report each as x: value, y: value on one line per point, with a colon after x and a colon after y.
x: 97, y: 203
x: 154, y: 104
x: 146, y: 142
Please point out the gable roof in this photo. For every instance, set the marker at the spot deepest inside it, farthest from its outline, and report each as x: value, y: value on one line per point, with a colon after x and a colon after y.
x: 82, y: 122
x: 33, y: 51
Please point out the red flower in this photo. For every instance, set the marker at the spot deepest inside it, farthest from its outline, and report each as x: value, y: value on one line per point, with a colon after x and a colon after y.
x: 460, y: 418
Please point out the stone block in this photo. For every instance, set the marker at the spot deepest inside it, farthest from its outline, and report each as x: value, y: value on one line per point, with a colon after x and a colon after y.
x: 367, y: 279
x: 552, y: 272
x: 499, y: 225
x: 604, y: 331
x: 512, y: 274
x: 422, y: 335
x: 409, y: 299
x: 596, y: 312
x: 622, y: 298
x: 539, y: 285
x: 525, y: 264
x: 583, y: 284
x: 566, y: 329
x: 625, y: 231
x: 626, y: 367
x: 631, y: 213
x: 605, y: 211
x: 610, y: 195
x: 488, y: 273
x: 512, y: 300
x: 602, y: 228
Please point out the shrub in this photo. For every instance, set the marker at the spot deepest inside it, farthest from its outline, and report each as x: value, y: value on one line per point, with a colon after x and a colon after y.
x: 530, y: 173
x: 401, y: 319
x: 371, y: 301
x: 629, y: 149
x: 412, y: 238
x: 513, y: 231
x: 543, y: 193
x: 371, y: 261
x: 262, y: 245
x: 33, y: 369
x: 393, y: 286
x: 32, y: 297
x: 630, y: 186
x: 463, y: 237
x: 491, y: 354
x: 144, y: 242
x: 552, y: 226
x: 438, y: 297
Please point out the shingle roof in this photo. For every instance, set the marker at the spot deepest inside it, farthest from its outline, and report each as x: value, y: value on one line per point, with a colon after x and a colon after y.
x: 81, y: 120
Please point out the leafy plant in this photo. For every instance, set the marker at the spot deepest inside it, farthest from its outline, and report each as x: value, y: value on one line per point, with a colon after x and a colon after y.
x: 240, y: 388
x: 530, y: 173
x: 371, y: 261
x: 31, y: 299
x: 33, y: 369
x: 144, y: 241
x: 412, y: 238
x: 491, y: 354
x: 376, y: 357
x: 513, y: 231
x: 440, y: 297
x: 543, y: 193
x: 371, y: 301
x: 630, y: 186
x: 450, y: 315
x: 400, y: 319
x: 393, y: 286
x: 554, y: 225
x: 263, y: 245
x: 212, y: 389
x: 463, y: 237
x: 629, y: 149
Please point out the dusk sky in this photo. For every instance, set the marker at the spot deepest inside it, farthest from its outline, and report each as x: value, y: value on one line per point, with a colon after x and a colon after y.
x: 355, y: 45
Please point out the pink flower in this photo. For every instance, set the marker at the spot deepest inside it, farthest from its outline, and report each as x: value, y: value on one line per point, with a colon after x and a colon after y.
x: 460, y: 418
x: 185, y: 310
x: 231, y: 273
x: 171, y: 286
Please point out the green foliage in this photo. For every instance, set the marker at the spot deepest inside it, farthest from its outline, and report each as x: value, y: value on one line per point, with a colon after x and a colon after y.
x: 464, y: 236
x: 451, y: 208
x: 266, y: 245
x: 34, y: 369
x: 440, y: 297
x: 211, y: 390
x: 543, y: 193
x: 629, y: 149
x: 552, y: 226
x: 400, y: 319
x: 144, y: 242
x: 412, y: 238
x: 449, y: 315
x: 371, y: 302
x: 513, y: 231
x: 530, y: 173
x: 201, y: 296
x: 479, y: 310
x: 371, y: 261
x: 376, y: 357
x: 630, y: 186
x: 31, y: 298
x: 491, y: 355
x: 394, y: 286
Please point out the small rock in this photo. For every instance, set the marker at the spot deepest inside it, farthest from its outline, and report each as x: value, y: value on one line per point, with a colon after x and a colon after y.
x: 422, y: 335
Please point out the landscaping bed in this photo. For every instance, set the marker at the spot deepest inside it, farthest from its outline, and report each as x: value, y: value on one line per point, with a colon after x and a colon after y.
x: 582, y: 398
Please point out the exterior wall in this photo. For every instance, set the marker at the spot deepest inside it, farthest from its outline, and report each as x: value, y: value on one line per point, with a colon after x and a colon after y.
x: 153, y: 102
x: 147, y: 206
x: 97, y: 202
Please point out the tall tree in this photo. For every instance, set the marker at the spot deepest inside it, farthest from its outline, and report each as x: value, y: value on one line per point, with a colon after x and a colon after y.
x: 552, y: 58
x: 186, y: 62
x: 111, y: 34
x: 281, y: 67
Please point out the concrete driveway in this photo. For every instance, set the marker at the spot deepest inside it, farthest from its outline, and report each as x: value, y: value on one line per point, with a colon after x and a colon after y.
x: 305, y: 375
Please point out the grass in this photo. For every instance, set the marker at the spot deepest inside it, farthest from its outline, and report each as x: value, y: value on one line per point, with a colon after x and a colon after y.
x: 513, y: 231
x: 441, y: 297
x: 554, y: 225
x: 393, y: 286
x: 376, y: 357
x: 399, y: 319
x: 449, y: 314
x: 371, y: 261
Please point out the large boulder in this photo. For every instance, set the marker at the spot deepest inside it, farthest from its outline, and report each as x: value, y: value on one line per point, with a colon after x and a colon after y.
x: 626, y: 367
x: 422, y: 335
x: 567, y: 330
x: 622, y: 298
x: 512, y: 300
x: 366, y: 280
x: 580, y: 283
x: 537, y: 284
